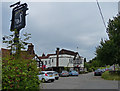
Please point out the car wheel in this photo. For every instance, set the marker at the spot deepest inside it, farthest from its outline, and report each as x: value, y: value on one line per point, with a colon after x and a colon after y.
x: 52, y: 80
x: 43, y: 80
x: 57, y: 78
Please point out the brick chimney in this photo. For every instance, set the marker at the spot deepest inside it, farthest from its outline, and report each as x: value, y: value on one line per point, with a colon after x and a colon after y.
x: 31, y: 49
x: 43, y: 55
x: 57, y: 59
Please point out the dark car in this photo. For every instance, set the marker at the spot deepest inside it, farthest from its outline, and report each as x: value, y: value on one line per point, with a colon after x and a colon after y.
x: 64, y: 73
x: 103, y: 70
x: 98, y: 72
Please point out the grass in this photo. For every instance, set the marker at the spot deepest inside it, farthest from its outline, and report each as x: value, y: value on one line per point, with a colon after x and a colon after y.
x: 107, y: 76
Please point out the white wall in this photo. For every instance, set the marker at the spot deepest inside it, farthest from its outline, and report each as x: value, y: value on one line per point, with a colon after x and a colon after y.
x: 82, y: 65
x: 46, y: 60
x: 64, y: 60
x: 53, y: 62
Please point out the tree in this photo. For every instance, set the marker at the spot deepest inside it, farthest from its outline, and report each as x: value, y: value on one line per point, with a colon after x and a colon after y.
x: 113, y: 31
x: 108, y: 51
x: 10, y: 41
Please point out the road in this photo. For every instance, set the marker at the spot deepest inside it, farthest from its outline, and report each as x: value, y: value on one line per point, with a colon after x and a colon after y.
x: 83, y: 81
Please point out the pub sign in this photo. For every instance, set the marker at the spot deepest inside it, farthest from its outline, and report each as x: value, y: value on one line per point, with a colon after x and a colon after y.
x: 18, y: 17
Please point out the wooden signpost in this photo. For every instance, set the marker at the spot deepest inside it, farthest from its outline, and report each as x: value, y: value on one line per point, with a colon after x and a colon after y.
x: 18, y: 22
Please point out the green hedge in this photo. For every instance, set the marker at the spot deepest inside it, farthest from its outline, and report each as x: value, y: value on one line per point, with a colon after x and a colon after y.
x: 19, y: 74
x: 117, y: 72
x: 0, y: 73
x: 106, y: 75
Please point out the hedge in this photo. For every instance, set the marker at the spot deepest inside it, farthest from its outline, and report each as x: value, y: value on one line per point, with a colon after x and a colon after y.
x: 117, y: 72
x: 107, y: 76
x: 19, y: 74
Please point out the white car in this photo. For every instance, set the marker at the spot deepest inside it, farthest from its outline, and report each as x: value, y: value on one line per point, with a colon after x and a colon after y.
x: 46, y: 76
x: 56, y: 75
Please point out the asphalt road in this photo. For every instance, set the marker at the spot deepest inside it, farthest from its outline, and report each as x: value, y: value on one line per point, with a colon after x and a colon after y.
x: 83, y: 81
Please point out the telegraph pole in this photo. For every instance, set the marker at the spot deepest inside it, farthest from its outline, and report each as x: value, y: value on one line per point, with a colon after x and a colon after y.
x: 119, y: 8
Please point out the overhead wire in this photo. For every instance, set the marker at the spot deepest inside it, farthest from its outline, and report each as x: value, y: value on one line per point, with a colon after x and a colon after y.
x: 100, y: 10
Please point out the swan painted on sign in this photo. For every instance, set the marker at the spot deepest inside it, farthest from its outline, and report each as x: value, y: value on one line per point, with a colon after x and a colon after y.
x: 18, y: 20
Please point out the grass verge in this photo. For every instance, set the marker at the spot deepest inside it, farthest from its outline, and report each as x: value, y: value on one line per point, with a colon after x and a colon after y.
x: 107, y: 76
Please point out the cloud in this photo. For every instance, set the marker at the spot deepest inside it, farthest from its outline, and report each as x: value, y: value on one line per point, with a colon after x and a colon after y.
x: 64, y: 25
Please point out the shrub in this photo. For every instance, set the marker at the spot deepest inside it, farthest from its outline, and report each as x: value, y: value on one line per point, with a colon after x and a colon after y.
x: 89, y: 69
x: 0, y: 73
x: 19, y: 74
x: 114, y: 72
x: 106, y: 75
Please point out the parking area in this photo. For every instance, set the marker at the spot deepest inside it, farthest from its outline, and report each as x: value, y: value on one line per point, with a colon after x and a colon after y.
x: 83, y: 81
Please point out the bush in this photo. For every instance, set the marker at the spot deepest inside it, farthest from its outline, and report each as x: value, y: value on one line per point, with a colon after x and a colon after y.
x: 89, y: 69
x: 114, y: 72
x: 19, y: 74
x: 0, y: 74
x: 106, y: 75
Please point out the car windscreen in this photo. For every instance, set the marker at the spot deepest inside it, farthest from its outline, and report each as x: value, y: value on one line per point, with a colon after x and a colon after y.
x: 64, y: 72
x: 49, y: 73
x: 73, y: 71
x: 98, y: 71
x: 55, y: 73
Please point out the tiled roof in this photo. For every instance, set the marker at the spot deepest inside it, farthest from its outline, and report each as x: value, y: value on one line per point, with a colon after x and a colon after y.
x: 24, y: 54
x: 45, y: 57
x: 5, y: 52
x: 50, y: 54
x: 64, y: 51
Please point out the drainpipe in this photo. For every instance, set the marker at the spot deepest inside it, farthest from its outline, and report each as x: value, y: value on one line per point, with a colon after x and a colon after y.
x: 57, y: 59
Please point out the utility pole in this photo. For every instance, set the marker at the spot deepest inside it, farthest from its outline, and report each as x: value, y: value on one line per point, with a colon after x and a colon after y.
x: 119, y: 8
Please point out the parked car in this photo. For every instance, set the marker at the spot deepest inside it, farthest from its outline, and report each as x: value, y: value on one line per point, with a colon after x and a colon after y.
x: 73, y: 73
x: 46, y: 76
x: 103, y: 70
x: 64, y: 73
x: 56, y: 75
x: 98, y: 72
x: 108, y: 69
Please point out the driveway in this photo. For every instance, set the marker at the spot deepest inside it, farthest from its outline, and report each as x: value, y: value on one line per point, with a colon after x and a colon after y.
x: 83, y: 81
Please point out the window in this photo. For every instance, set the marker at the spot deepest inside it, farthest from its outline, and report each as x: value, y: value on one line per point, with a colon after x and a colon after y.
x: 41, y: 73
x: 52, y: 60
x: 49, y: 62
x: 45, y: 62
x: 71, y: 60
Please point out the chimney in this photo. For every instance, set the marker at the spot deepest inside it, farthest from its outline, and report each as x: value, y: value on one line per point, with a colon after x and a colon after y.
x: 31, y: 48
x: 57, y: 59
x: 43, y: 55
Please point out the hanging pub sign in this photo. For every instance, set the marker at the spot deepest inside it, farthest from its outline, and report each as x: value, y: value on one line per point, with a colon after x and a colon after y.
x: 18, y: 17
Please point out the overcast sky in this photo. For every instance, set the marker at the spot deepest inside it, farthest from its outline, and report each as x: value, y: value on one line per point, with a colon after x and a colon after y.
x: 65, y: 25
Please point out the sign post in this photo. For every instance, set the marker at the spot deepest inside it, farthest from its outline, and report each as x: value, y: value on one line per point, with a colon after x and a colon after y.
x: 18, y: 22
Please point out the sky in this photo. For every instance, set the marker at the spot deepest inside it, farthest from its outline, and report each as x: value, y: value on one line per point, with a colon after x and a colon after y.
x: 75, y: 26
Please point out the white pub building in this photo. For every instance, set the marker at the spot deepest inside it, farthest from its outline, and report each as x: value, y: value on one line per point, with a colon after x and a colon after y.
x: 63, y: 59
